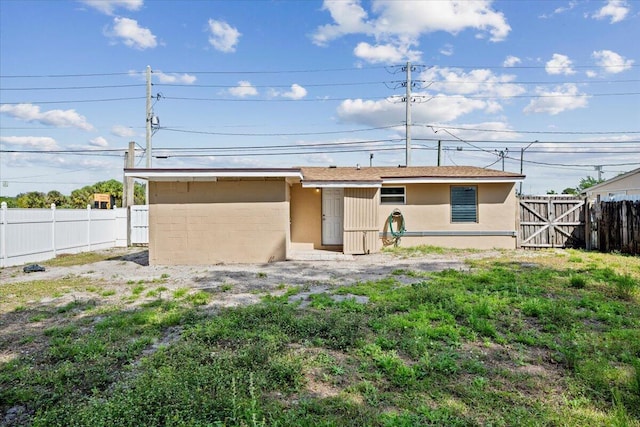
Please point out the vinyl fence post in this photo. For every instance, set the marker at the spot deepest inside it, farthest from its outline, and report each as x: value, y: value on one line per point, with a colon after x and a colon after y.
x: 89, y: 228
x: 53, y: 229
x: 3, y: 234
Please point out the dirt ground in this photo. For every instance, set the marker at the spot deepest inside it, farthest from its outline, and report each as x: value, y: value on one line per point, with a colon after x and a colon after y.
x: 233, y: 284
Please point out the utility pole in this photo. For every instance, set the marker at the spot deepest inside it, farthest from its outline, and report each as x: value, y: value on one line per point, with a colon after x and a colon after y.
x: 439, y: 152
x: 128, y: 187
x: 501, y: 154
x: 149, y: 114
x: 370, y: 159
x: 408, y: 117
x: 599, y: 169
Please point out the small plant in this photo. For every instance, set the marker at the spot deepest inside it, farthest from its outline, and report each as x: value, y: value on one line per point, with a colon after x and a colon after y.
x: 199, y: 298
x: 164, y: 276
x: 108, y: 293
x: 577, y: 281
x: 261, y: 275
x: 225, y: 287
x: 137, y: 290
x: 625, y: 286
x: 179, y: 293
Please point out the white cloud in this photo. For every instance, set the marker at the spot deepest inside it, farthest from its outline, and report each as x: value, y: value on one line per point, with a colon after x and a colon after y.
x: 611, y: 62
x: 131, y: 34
x: 175, y: 78
x: 447, y: 50
x: 511, y: 61
x: 296, y: 92
x: 475, y: 82
x: 562, y: 98
x: 591, y: 73
x: 559, y: 10
x: 98, y: 142
x: 36, y: 142
x: 123, y: 131
x: 385, y: 53
x: 223, y: 36
x: 439, y: 108
x: 616, y: 10
x: 243, y: 89
x: 559, y: 64
x: 109, y: 6
x: 400, y: 23
x: 349, y: 18
x: 57, y: 118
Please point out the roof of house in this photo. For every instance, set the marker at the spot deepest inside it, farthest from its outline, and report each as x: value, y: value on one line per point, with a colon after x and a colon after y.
x: 340, y: 176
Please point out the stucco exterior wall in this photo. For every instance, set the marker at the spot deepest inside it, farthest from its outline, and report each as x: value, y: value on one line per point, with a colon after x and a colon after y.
x: 629, y: 185
x: 428, y: 212
x: 306, y: 215
x: 211, y: 222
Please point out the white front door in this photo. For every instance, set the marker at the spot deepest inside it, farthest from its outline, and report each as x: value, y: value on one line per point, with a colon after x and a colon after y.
x: 332, y: 216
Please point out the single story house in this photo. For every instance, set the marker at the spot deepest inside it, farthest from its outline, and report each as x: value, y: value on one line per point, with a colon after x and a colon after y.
x: 206, y: 216
x: 620, y: 187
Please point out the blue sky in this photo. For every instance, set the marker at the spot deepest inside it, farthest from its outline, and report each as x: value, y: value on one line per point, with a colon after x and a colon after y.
x: 291, y: 83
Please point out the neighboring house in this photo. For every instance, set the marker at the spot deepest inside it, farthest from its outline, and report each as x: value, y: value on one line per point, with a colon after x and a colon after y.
x: 620, y: 187
x: 205, y: 216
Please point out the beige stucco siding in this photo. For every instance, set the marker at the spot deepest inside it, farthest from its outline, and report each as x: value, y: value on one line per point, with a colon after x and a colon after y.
x: 629, y: 185
x: 306, y: 216
x: 428, y: 211
x: 361, y: 220
x: 211, y: 222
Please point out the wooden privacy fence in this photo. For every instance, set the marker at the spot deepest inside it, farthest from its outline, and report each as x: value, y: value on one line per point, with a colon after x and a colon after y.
x: 551, y: 221
x: 617, y: 226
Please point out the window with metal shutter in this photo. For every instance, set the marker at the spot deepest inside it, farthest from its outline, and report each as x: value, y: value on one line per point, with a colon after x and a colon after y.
x: 464, y: 207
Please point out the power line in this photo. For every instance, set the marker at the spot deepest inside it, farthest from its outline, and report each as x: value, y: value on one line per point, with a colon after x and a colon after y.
x: 279, y: 133
x: 75, y: 101
x: 529, y: 131
x: 73, y: 87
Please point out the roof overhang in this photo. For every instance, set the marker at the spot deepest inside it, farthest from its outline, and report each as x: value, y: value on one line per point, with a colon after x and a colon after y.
x: 341, y: 184
x: 459, y: 180
x: 190, y: 175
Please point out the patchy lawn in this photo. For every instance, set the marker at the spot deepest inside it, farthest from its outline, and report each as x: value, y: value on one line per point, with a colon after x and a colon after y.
x: 516, y: 338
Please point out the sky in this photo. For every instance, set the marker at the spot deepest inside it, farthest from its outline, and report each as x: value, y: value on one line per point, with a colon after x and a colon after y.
x: 284, y: 83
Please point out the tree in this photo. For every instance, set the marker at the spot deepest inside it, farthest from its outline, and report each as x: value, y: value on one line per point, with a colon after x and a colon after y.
x: 10, y: 201
x: 570, y: 190
x: 32, y: 199
x: 139, y: 193
x: 588, y: 182
x: 81, y: 197
x: 112, y: 187
x: 57, y: 198
x: 551, y: 192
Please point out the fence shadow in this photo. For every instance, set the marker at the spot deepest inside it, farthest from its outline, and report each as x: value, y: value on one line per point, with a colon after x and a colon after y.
x: 140, y: 258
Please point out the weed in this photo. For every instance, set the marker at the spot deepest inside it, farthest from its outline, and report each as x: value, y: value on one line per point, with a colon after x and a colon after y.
x: 198, y: 298
x: 179, y: 293
x: 261, y: 275
x: 577, y: 281
x: 108, y: 293
x: 625, y: 286
x: 164, y: 276
x: 226, y: 287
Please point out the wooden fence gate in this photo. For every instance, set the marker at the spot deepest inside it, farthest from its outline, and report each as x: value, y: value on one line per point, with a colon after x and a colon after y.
x: 552, y: 221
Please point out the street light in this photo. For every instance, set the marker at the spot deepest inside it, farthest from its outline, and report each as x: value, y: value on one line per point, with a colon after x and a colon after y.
x: 522, y: 150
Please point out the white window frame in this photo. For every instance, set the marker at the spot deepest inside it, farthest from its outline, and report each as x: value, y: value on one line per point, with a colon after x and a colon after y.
x: 388, y: 196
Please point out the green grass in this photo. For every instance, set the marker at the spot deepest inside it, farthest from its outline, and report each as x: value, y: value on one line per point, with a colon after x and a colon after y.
x: 505, y: 344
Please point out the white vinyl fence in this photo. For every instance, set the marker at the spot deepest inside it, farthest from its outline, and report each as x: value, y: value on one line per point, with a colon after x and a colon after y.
x: 32, y: 235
